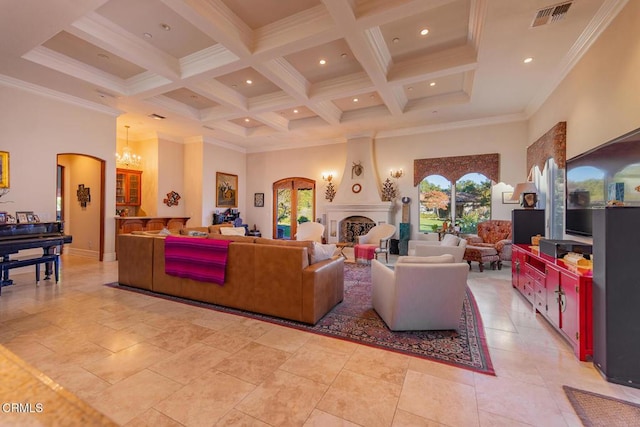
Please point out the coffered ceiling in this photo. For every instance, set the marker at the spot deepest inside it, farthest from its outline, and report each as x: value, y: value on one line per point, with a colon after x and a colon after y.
x: 266, y: 74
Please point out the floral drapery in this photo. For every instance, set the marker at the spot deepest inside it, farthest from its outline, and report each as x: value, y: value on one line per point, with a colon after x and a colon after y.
x: 453, y: 168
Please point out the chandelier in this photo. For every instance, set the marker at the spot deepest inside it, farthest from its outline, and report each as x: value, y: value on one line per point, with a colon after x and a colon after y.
x: 127, y: 158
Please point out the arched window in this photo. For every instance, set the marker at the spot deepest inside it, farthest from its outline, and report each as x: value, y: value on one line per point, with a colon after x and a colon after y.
x: 435, y: 202
x: 470, y: 195
x: 294, y: 203
x: 472, y: 201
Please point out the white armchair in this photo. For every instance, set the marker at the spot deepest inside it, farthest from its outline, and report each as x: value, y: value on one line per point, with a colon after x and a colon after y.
x: 310, y: 231
x: 377, y: 239
x: 449, y: 245
x: 419, y: 294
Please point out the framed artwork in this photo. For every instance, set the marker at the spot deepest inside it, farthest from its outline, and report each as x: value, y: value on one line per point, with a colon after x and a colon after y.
x: 506, y: 198
x: 24, y: 216
x: 3, y: 217
x: 226, y: 190
x: 258, y: 200
x: 4, y: 169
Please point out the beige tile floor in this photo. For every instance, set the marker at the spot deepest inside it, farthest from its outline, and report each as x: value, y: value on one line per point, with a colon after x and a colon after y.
x: 146, y: 361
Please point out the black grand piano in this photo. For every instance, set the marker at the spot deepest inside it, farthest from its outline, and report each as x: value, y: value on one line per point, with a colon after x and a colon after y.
x: 16, y: 237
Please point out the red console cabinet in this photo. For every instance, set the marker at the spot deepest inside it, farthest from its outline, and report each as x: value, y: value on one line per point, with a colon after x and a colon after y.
x: 560, y: 292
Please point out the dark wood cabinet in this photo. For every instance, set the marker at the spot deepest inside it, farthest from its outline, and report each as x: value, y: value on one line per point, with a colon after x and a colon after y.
x: 128, y: 187
x: 560, y: 292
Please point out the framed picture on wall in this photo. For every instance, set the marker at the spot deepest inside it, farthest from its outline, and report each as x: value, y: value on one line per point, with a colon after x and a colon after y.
x: 3, y: 217
x: 258, y: 200
x: 226, y: 190
x: 506, y: 198
x: 4, y: 169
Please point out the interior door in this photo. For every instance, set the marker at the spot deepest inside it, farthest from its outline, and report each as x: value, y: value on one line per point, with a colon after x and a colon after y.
x: 294, y: 202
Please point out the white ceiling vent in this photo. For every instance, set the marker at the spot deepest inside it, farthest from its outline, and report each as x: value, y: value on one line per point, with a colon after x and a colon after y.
x: 551, y: 14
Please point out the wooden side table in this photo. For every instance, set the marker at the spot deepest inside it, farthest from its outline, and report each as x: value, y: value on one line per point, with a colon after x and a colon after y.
x: 342, y: 245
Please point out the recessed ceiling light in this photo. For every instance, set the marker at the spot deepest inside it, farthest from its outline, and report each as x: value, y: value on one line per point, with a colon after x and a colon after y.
x: 355, y: 99
x: 249, y: 81
x: 234, y: 86
x: 322, y: 61
x: 157, y: 116
x: 424, y: 32
x: 396, y: 40
x: 148, y: 35
x: 247, y: 120
x: 194, y: 96
x: 410, y: 88
x: 528, y: 60
x: 103, y: 56
x: 165, y: 27
x: 344, y: 55
x: 432, y: 84
x: 295, y: 111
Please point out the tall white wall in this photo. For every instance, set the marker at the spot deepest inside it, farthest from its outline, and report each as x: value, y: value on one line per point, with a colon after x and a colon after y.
x: 599, y: 98
x: 509, y: 139
x: 35, y: 128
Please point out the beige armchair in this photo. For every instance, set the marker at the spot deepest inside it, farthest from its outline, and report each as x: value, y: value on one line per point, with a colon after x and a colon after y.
x: 375, y: 242
x: 454, y: 246
x: 310, y: 231
x: 419, y: 294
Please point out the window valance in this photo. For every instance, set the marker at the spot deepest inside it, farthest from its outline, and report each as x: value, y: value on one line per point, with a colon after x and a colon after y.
x: 551, y: 144
x: 454, y: 168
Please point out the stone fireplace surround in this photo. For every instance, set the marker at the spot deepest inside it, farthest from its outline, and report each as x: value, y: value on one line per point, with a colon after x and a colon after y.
x: 378, y: 213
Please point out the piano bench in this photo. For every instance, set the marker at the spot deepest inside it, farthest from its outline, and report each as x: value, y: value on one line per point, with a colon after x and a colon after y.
x: 15, y: 263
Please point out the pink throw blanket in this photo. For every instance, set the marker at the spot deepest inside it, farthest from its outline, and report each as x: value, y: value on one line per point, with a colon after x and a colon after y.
x: 194, y: 258
x: 365, y: 251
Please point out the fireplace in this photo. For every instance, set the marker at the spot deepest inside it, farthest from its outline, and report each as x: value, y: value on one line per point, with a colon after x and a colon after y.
x: 352, y: 227
x: 357, y: 196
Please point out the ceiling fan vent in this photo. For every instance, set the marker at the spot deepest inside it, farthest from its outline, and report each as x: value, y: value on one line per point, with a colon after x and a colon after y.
x: 551, y: 14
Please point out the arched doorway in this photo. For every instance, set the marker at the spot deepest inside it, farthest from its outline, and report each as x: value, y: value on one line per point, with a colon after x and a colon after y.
x: 294, y: 202
x: 83, y: 219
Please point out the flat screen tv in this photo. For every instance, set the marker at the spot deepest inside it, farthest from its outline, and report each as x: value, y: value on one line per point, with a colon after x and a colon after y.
x: 607, y: 175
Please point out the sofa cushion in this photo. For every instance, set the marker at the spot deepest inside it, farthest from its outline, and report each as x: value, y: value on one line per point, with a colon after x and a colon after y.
x: 215, y: 228
x: 187, y: 230
x: 437, y: 259
x: 233, y: 238
x: 296, y: 243
x: 450, y: 240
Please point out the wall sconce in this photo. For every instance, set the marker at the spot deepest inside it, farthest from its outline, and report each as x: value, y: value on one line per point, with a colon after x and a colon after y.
x: 330, y: 191
x: 527, y: 194
x: 397, y: 174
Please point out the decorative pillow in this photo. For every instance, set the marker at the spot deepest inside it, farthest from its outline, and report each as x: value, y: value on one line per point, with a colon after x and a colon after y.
x: 449, y: 240
x: 322, y: 252
x: 196, y: 233
x: 438, y: 259
x: 233, y: 231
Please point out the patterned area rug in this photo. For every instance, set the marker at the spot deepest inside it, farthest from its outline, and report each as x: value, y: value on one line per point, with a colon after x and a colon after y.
x: 598, y: 410
x: 355, y: 320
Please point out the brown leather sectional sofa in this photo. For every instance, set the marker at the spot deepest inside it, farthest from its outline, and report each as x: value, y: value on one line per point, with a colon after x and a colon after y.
x: 265, y: 276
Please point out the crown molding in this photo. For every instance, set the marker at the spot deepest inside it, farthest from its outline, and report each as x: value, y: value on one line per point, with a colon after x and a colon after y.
x: 607, y: 12
x: 58, y: 96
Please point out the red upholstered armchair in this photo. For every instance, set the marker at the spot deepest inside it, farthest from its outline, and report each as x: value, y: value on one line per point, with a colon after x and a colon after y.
x: 495, y: 233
